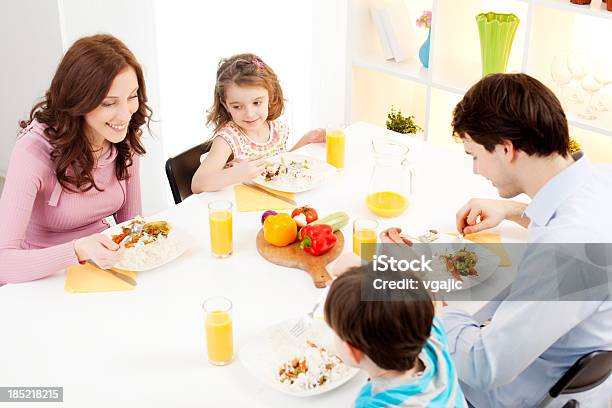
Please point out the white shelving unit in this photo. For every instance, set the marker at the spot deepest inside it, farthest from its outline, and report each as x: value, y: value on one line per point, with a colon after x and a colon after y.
x: 547, y: 28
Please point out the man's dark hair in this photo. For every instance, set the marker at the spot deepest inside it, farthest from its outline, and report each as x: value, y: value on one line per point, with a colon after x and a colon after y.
x: 513, y: 107
x: 391, y: 333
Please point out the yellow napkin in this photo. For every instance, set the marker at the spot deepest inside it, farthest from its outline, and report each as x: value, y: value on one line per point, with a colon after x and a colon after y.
x: 493, y: 243
x: 249, y: 199
x: 89, y: 278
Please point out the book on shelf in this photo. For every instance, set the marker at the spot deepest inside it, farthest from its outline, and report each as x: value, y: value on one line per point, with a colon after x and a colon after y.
x: 397, y: 31
x: 376, y: 14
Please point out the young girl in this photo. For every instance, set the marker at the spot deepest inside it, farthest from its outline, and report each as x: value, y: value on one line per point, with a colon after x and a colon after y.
x: 247, y: 104
x: 75, y: 163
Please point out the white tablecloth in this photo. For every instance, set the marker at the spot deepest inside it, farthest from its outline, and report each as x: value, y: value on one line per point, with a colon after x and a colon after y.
x: 146, y: 347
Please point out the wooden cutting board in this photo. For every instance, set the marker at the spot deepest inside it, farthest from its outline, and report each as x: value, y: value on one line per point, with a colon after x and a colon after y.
x: 293, y: 256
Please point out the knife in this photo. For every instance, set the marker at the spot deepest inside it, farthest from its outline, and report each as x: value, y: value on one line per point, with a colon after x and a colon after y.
x: 278, y: 196
x: 125, y: 278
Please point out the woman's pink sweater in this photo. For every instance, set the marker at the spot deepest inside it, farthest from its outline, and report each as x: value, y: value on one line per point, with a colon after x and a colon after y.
x: 39, y: 220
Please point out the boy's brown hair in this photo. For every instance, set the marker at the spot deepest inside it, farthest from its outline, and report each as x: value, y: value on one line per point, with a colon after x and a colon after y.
x: 244, y: 70
x: 391, y: 333
x: 513, y: 107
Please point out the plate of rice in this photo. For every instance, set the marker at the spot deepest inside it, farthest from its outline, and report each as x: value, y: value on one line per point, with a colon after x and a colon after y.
x: 294, y: 173
x: 303, y: 366
x: 148, y: 244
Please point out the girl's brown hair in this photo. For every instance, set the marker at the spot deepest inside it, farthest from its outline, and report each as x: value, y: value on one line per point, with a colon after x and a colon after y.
x: 391, y: 330
x: 244, y: 70
x: 80, y: 84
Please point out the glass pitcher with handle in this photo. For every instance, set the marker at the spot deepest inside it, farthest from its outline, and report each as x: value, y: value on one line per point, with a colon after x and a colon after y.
x: 393, y: 178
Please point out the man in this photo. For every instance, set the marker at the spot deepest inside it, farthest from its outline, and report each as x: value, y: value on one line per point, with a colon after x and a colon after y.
x: 517, y: 134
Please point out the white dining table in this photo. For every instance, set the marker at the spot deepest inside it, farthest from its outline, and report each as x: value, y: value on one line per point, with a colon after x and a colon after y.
x: 146, y: 347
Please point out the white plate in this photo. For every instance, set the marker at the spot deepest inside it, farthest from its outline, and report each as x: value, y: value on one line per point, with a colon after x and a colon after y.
x: 180, y: 240
x: 319, y: 170
x: 265, y: 353
x: 447, y: 244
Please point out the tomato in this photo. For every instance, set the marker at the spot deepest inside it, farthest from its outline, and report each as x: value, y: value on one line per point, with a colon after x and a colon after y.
x: 280, y: 230
x: 309, y: 212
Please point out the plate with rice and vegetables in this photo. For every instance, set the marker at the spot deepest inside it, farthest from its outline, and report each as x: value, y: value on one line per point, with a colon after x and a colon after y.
x: 147, y: 244
x: 300, y: 366
x: 294, y: 173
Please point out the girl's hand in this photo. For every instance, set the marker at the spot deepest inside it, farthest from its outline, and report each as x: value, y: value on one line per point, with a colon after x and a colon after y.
x: 248, y: 170
x: 98, y: 248
x: 314, y: 136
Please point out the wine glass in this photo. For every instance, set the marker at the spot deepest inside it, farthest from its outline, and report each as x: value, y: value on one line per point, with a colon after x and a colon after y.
x: 603, y: 75
x: 577, y: 68
x: 560, y: 74
x: 590, y: 86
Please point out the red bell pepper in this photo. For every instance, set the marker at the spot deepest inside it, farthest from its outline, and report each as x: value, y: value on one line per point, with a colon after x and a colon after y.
x: 317, y: 239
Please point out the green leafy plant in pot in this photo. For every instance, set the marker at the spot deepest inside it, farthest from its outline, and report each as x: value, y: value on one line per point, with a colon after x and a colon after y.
x: 400, y: 123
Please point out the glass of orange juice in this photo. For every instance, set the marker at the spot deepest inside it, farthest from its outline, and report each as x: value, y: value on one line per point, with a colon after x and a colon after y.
x: 220, y: 219
x: 335, y: 141
x: 218, y: 325
x: 364, y: 232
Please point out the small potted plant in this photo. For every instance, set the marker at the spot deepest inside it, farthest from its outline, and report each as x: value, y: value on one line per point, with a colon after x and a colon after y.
x: 400, y: 123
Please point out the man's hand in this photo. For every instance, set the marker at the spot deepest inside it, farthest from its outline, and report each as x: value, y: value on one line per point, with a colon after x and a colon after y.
x: 480, y: 214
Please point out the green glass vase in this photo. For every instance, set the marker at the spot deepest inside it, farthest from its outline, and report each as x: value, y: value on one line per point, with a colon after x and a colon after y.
x: 496, y: 35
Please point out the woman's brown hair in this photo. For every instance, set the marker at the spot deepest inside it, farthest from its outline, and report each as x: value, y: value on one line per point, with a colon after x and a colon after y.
x: 391, y: 331
x: 81, y: 82
x: 513, y: 107
x: 244, y: 70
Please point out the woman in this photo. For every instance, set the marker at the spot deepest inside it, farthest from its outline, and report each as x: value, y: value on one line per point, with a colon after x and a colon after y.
x: 75, y: 163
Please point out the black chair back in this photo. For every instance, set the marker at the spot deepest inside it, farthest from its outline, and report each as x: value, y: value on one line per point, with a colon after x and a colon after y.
x: 181, y: 168
x: 586, y: 373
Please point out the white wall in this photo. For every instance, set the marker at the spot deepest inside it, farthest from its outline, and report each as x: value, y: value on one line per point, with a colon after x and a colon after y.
x: 193, y: 36
x: 329, y: 19
x: 30, y: 46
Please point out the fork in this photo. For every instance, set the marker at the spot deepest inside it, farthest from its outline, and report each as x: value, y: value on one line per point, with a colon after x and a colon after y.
x: 135, y: 229
x: 306, y: 320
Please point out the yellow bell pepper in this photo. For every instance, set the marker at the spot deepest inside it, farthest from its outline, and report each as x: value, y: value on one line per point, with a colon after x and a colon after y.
x: 280, y: 230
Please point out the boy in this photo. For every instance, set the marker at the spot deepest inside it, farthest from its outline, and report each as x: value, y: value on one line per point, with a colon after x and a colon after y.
x: 398, y: 341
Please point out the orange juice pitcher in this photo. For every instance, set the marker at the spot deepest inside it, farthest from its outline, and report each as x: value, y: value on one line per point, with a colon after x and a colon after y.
x: 392, y: 182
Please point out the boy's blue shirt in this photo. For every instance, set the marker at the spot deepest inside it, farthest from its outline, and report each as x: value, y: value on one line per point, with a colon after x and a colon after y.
x: 437, y: 386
